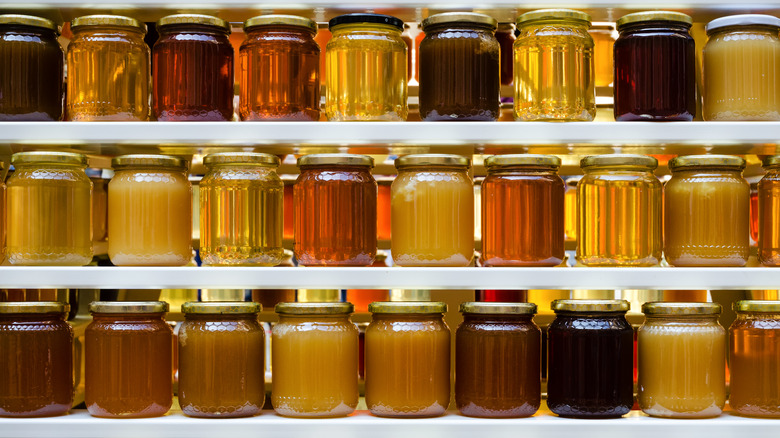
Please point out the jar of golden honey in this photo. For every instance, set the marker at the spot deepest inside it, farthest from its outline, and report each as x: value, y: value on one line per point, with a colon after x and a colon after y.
x: 36, y: 359
x: 49, y: 210
x: 769, y: 213
x: 707, y: 212
x: 365, y: 65
x: 129, y: 360
x: 221, y: 360
x: 432, y: 205
x: 407, y: 359
x: 315, y: 360
x: 682, y: 360
x: 619, y: 211
x: 108, y: 69
x: 241, y: 210
x: 149, y: 211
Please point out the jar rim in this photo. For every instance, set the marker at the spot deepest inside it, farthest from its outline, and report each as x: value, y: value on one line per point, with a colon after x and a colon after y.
x: 497, y: 308
x: 645, y: 161
x: 508, y: 160
x: 147, y: 160
x: 336, y: 159
x: 366, y: 18
x: 314, y: 308
x: 221, y: 308
x: 553, y: 14
x: 771, y: 161
x: 281, y: 20
x: 742, y: 20
x: 683, y: 161
x: 648, y: 16
x: 680, y: 308
x: 48, y: 157
x: 205, y: 20
x: 594, y: 306
x: 460, y: 17
x: 34, y: 307
x: 242, y: 158
x: 30, y: 20
x: 423, y: 160
x: 408, y: 307
x: 108, y: 20
x: 128, y: 307
x: 757, y: 306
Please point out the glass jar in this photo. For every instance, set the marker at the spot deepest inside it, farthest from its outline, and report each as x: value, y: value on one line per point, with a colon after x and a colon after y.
x: 570, y: 208
x: 432, y: 211
x: 31, y: 69
x: 768, y: 229
x: 99, y: 208
x: 498, y: 360
x: 108, y: 69
x: 754, y: 359
x: 241, y: 210
x: 682, y: 360
x: 129, y: 359
x: 591, y: 359
x: 741, y: 62
x: 407, y: 359
x: 554, y: 73
x: 315, y: 360
x: 335, y: 210
x: 192, y: 73
x: 149, y: 211
x: 49, y: 210
x: 3, y: 214
x: 460, y: 72
x: 655, y: 67
x: 221, y: 360
x: 36, y: 359
x: 280, y: 69
x: 707, y: 212
x: 505, y: 35
x: 513, y: 233
x: 754, y: 213
x: 365, y: 62
x: 619, y: 204
x: 603, y: 46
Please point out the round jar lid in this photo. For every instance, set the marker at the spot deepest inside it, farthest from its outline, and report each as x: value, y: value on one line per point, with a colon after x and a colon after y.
x: 242, y: 158
x: 668, y: 16
x: 221, y: 308
x: 281, y: 20
x: 337, y: 159
x: 772, y: 161
x: 523, y: 160
x: 108, y: 20
x: 742, y: 20
x: 366, y: 18
x: 619, y: 160
x: 757, y: 306
x: 460, y: 17
x: 606, y: 306
x: 673, y: 309
x: 553, y: 14
x: 34, y: 307
x: 408, y: 307
x: 205, y: 20
x: 707, y: 161
x: 128, y: 307
x: 424, y: 160
x: 139, y: 160
x: 48, y: 157
x: 314, y: 308
x: 29, y: 20
x: 492, y: 308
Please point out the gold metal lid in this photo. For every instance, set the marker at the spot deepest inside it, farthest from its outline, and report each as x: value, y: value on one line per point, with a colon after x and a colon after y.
x: 606, y: 306
x: 707, y: 161
x: 460, y: 17
x: 668, y: 16
x: 140, y: 160
x: 34, y: 307
x: 281, y: 20
x: 221, y: 308
x: 757, y: 306
x: 407, y: 307
x: 493, y: 308
x: 242, y: 158
x: 424, y: 160
x: 772, y: 161
x: 314, y: 308
x: 681, y: 309
x: 128, y: 307
x: 205, y: 20
x: 29, y: 20
x: 619, y: 160
x: 523, y: 160
x: 107, y: 20
x: 553, y: 14
x: 48, y: 157
x: 336, y: 159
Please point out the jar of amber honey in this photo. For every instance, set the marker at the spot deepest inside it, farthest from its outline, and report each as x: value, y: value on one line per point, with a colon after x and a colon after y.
x: 149, y: 211
x: 682, y: 360
x: 707, y: 212
x: 335, y: 210
x: 280, y: 69
x: 407, y: 359
x: 36, y: 359
x: 498, y: 360
x: 49, y: 210
x: 241, y: 210
x: 514, y: 234
x: 129, y: 360
x: 754, y: 359
x: 221, y: 360
x: 315, y: 360
x: 432, y: 211
x: 769, y: 213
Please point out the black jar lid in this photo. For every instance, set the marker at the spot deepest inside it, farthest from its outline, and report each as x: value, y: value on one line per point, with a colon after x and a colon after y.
x: 29, y: 20
x: 366, y: 18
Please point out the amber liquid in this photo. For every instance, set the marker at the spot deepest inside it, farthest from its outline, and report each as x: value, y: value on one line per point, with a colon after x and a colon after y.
x: 603, y: 42
x: 767, y: 218
x: 506, y: 39
x: 754, y: 365
x: 3, y: 213
x: 570, y: 212
x: 384, y: 212
x: 289, y: 223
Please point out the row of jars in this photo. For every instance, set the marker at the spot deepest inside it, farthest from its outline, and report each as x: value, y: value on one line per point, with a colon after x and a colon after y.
x: 192, y: 73
x: 681, y: 360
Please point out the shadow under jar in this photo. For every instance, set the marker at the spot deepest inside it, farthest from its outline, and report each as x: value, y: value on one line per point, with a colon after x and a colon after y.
x: 460, y: 73
x: 498, y: 360
x: 36, y: 359
x: 335, y: 200
x: 591, y: 358
x: 31, y: 69
x: 221, y: 360
x: 707, y: 212
x: 279, y: 69
x: 192, y: 74
x: 655, y: 67
x: 768, y: 214
x: 129, y: 360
